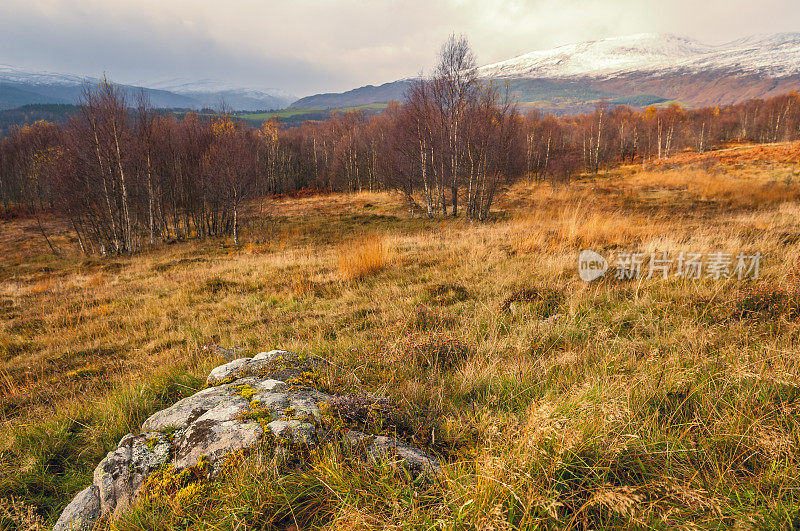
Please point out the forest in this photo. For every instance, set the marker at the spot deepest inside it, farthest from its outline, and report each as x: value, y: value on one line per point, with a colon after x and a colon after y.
x: 126, y: 176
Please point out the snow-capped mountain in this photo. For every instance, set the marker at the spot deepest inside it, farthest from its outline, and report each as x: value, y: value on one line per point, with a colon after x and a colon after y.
x: 9, y: 74
x: 771, y: 55
x: 636, y: 70
x: 212, y: 92
x: 20, y: 87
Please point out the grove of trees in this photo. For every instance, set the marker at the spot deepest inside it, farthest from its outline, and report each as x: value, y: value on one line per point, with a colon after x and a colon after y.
x: 125, y: 176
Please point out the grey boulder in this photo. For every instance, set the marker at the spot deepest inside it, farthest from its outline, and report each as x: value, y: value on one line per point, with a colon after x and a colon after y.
x: 245, y: 400
x: 81, y: 513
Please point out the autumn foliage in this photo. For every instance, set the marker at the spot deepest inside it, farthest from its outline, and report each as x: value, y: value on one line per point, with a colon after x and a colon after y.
x: 125, y: 176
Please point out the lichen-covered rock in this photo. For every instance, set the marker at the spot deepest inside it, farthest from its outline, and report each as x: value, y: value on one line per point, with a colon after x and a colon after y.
x: 246, y: 399
x: 186, y: 411
x: 293, y: 430
x: 81, y: 513
x: 381, y: 447
x: 236, y: 369
x: 276, y: 364
x: 120, y: 476
x: 215, y: 434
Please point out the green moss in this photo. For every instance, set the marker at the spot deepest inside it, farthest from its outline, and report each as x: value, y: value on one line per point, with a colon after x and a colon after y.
x: 151, y: 443
x: 260, y: 414
x: 245, y: 391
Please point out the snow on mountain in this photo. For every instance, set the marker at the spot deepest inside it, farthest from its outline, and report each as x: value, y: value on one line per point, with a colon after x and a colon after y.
x: 202, y: 86
x: 18, y: 87
x: 213, y: 92
x: 10, y: 74
x: 774, y: 55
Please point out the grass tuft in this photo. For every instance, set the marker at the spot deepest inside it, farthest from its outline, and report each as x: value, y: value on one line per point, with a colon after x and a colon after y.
x: 363, y: 257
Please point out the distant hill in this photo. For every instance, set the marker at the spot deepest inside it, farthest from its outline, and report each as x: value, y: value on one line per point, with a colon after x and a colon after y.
x: 211, y: 93
x: 637, y: 70
x: 22, y: 87
x: 387, y: 92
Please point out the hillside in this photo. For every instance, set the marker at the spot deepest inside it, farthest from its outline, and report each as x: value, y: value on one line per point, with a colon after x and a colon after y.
x: 361, y: 96
x: 549, y: 402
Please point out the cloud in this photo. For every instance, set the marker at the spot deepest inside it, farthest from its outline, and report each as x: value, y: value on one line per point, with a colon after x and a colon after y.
x: 325, y: 45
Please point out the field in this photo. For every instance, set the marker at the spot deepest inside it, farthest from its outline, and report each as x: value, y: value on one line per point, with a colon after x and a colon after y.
x: 301, y: 114
x: 552, y: 402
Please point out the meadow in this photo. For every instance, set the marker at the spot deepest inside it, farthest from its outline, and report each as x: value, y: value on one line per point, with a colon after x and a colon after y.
x: 297, y: 115
x: 552, y: 402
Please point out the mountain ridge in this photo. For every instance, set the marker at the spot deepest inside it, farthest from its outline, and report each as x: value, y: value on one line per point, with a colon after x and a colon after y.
x: 776, y: 55
x: 637, y: 70
x: 20, y: 87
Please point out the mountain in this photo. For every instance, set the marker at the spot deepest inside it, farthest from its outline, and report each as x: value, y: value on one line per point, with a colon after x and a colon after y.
x: 606, y: 57
x: 210, y: 93
x: 22, y: 87
x: 635, y: 70
x: 360, y: 96
x: 771, y: 56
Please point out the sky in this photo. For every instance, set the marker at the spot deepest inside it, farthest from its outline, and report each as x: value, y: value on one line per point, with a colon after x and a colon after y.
x: 311, y: 46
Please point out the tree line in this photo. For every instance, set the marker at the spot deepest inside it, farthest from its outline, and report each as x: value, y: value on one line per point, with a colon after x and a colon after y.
x: 126, y: 176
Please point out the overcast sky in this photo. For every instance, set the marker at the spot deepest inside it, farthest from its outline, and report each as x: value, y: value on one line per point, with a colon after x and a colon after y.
x: 309, y: 46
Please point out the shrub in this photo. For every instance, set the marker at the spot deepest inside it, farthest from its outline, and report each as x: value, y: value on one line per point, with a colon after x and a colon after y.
x: 448, y: 293
x: 217, y: 285
x: 545, y: 301
x: 363, y: 257
x: 438, y: 351
x: 767, y: 301
x: 363, y: 410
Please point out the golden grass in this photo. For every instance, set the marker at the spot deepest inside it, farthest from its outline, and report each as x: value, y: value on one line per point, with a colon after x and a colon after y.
x: 645, y: 406
x: 363, y: 257
x: 734, y: 189
x: 579, y: 226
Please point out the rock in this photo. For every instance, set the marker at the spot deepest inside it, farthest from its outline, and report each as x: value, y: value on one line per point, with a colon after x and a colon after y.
x: 120, y: 476
x: 216, y: 434
x: 381, y: 447
x: 277, y: 355
x: 186, y: 411
x: 81, y: 513
x: 237, y: 369
x: 293, y: 430
x: 245, y: 399
x: 275, y: 364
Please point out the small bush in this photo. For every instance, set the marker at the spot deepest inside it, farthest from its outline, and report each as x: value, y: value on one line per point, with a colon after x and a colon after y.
x: 363, y: 410
x: 445, y: 294
x: 217, y: 285
x: 766, y: 301
x: 545, y: 301
x: 363, y: 258
x: 436, y: 350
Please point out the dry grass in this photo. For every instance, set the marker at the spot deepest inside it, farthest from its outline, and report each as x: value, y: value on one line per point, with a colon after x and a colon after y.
x: 654, y: 404
x: 363, y: 257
